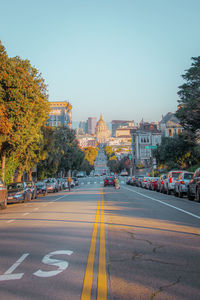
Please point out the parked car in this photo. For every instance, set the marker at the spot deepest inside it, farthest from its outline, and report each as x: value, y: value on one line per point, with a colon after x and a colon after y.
x: 18, y: 192
x: 170, y: 181
x: 41, y: 188
x: 181, y: 184
x: 144, y: 181
x: 124, y: 173
x: 194, y: 186
x: 76, y: 181
x: 147, y: 184
x: 109, y: 181
x: 3, y: 194
x: 139, y: 180
x: 52, y: 185
x: 160, y: 183
x: 60, y: 183
x: 33, y: 189
x: 129, y: 181
x: 153, y: 184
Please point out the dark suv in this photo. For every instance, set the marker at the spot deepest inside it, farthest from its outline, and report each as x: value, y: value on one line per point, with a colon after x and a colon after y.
x: 194, y: 186
x: 3, y: 194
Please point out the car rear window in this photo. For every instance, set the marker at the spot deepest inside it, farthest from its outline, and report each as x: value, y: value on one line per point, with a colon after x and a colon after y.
x: 175, y: 174
x: 15, y: 186
x: 188, y: 176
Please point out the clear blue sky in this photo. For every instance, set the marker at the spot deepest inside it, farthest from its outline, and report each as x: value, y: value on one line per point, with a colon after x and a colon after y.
x: 122, y: 58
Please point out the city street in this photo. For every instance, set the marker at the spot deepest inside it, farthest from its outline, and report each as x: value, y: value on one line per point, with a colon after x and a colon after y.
x: 100, y: 243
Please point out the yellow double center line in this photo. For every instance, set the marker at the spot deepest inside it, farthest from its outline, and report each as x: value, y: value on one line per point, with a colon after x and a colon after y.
x: 102, y: 276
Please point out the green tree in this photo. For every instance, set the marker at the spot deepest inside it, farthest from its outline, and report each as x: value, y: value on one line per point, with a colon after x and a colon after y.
x: 23, y: 94
x: 189, y: 100
x: 90, y: 154
x: 176, y: 152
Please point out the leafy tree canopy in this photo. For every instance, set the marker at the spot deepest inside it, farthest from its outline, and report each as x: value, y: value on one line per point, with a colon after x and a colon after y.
x: 189, y: 100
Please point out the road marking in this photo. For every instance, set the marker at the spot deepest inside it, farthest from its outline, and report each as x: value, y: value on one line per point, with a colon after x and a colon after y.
x: 8, y: 274
x: 88, y: 278
x: 167, y: 204
x: 61, y: 264
x: 10, y: 221
x: 25, y: 214
x: 102, y: 276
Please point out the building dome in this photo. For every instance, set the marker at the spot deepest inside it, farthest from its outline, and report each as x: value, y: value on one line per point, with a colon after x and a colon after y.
x: 102, y: 131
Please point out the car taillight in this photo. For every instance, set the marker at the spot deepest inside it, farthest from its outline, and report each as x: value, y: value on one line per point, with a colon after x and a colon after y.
x: 182, y: 182
x: 170, y: 180
x: 162, y: 182
x: 106, y: 180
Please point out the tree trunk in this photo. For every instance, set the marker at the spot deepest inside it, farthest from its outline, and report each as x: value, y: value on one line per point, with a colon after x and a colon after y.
x: 3, y: 167
x: 18, y: 178
x: 30, y: 175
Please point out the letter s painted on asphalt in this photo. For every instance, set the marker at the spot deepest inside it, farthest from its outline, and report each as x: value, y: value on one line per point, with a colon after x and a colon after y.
x: 61, y: 264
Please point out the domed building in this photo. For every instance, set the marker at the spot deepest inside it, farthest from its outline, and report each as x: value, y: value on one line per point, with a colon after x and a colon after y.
x: 102, y: 131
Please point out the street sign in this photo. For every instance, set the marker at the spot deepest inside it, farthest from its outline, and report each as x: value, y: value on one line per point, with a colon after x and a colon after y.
x: 151, y: 147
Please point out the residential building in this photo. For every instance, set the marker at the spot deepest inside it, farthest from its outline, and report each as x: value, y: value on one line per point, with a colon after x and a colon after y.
x: 60, y: 114
x: 170, y: 125
x: 143, y: 140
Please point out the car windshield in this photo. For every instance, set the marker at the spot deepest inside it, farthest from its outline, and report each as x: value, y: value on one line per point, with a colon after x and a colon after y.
x: 175, y: 174
x: 39, y: 183
x: 188, y: 176
x: 13, y: 186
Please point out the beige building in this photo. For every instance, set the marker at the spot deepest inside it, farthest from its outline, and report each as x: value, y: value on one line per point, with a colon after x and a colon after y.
x: 60, y: 114
x: 102, y: 131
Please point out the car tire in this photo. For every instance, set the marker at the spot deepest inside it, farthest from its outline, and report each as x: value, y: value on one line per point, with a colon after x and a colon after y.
x: 198, y: 195
x: 190, y: 197
x: 168, y: 192
x: 180, y: 194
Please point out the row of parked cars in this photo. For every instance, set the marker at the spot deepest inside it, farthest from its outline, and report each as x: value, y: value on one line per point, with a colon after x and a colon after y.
x: 25, y: 191
x: 180, y: 183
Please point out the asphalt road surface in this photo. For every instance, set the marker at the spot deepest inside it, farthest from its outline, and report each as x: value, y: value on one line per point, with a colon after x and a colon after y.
x: 101, y: 243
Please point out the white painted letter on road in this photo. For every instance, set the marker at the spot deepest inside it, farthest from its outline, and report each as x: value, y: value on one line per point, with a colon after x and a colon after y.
x: 61, y: 264
x: 8, y: 274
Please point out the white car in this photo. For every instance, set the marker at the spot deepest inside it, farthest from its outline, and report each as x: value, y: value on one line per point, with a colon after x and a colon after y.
x: 181, y: 184
x: 169, y: 182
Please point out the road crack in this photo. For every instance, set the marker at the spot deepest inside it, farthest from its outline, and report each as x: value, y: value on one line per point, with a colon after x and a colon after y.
x: 164, y: 287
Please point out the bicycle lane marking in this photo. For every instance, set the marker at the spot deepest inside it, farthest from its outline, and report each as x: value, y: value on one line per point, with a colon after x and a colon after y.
x: 165, y: 203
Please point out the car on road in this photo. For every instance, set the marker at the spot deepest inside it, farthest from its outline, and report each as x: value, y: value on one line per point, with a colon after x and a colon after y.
x: 153, y: 184
x: 181, y: 184
x: 76, y: 181
x: 194, y: 186
x: 52, y: 185
x: 41, y: 188
x: 139, y: 180
x: 169, y: 181
x: 18, y: 192
x: 33, y: 189
x: 160, y: 183
x: 109, y: 181
x: 3, y: 194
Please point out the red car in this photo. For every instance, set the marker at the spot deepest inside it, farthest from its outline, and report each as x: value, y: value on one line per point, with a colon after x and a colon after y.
x: 153, y: 184
x: 109, y: 181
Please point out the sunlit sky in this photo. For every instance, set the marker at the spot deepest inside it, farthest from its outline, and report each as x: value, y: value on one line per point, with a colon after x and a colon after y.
x: 121, y: 58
